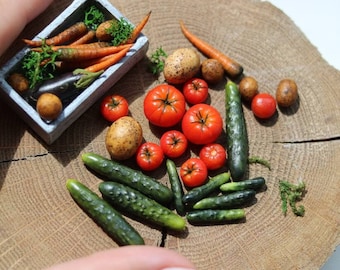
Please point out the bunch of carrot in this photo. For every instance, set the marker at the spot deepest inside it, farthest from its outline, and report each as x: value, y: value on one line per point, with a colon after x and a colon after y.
x: 77, y: 47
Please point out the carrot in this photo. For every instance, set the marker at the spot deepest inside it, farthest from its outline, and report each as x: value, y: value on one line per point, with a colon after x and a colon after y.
x: 68, y: 35
x: 109, y: 61
x: 86, y: 38
x: 138, y: 29
x: 71, y: 65
x: 233, y: 68
x: 78, y: 54
x: 92, y: 46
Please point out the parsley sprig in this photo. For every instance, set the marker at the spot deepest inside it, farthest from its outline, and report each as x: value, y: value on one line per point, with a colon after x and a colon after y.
x: 39, y: 66
x: 120, y: 30
x: 93, y: 18
x: 291, y: 194
x: 157, y: 60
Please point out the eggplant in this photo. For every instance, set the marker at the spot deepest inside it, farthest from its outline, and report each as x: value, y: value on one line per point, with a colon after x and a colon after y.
x: 66, y: 86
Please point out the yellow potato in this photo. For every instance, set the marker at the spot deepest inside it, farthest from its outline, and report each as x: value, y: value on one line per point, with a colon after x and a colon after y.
x: 181, y: 65
x: 123, y: 138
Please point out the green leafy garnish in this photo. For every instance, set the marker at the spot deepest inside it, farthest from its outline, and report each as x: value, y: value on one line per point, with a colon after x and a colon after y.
x: 39, y: 66
x: 259, y: 160
x: 93, y: 18
x: 157, y: 60
x: 120, y: 31
x: 291, y: 194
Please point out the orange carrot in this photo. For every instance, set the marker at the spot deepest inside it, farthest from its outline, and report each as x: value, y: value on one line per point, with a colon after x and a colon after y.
x: 109, y: 61
x: 92, y: 46
x: 78, y: 54
x: 138, y: 29
x: 86, y: 38
x: 233, y: 68
x: 63, y: 37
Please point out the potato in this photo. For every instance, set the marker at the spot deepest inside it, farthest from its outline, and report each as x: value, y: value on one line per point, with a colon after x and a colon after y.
x: 286, y: 93
x: 181, y: 65
x: 101, y: 31
x: 49, y: 106
x: 212, y: 71
x: 18, y: 82
x: 123, y: 138
x: 248, y: 88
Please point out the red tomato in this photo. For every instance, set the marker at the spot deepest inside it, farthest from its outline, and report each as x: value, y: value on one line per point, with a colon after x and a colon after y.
x: 164, y: 105
x: 263, y: 105
x: 113, y: 107
x: 173, y: 143
x: 213, y: 155
x: 193, y: 172
x: 195, y: 90
x: 149, y: 156
x: 202, y: 124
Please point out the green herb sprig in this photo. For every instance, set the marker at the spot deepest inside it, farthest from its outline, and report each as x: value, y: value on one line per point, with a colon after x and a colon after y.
x: 291, y: 194
x: 93, y: 17
x: 120, y: 31
x: 157, y: 60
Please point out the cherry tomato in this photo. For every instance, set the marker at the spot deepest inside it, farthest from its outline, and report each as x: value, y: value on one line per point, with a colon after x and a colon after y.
x: 202, y: 124
x: 263, y: 105
x: 149, y: 156
x: 164, y: 105
x: 113, y: 107
x: 193, y: 172
x: 213, y: 155
x: 195, y: 90
x: 173, y: 143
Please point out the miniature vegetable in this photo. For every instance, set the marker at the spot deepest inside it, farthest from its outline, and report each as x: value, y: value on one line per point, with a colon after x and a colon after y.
x: 233, y: 68
x: 181, y: 65
x: 212, y: 71
x: 49, y: 106
x: 123, y: 138
x: 286, y: 93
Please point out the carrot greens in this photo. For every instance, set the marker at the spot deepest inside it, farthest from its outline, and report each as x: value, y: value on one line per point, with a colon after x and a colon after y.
x: 291, y: 194
x: 120, y: 30
x: 93, y: 17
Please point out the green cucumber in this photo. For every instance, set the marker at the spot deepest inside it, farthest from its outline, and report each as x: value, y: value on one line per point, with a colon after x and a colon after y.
x: 198, y: 193
x: 114, y: 171
x: 210, y: 216
x: 226, y: 201
x: 138, y: 205
x: 109, y: 219
x: 254, y: 183
x: 237, y: 138
x: 176, y: 187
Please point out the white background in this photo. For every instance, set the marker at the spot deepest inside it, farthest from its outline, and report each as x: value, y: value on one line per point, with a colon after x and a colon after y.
x: 319, y: 20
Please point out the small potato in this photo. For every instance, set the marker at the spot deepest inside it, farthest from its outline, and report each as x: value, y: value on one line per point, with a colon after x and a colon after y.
x: 49, y: 106
x: 102, y: 33
x: 248, y: 88
x: 123, y: 138
x: 286, y: 93
x: 212, y: 71
x: 181, y: 65
x: 18, y: 82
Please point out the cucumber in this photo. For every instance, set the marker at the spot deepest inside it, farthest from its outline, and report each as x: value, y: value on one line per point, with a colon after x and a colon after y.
x: 140, y: 206
x: 226, y: 201
x: 176, y: 187
x: 114, y: 171
x: 198, y: 193
x: 254, y: 183
x: 211, y: 216
x: 237, y: 138
x: 109, y: 219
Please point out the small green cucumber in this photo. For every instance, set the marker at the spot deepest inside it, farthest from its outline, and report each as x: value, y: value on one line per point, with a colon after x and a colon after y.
x: 138, y: 205
x: 226, y: 201
x: 237, y: 138
x: 210, y: 216
x: 198, y: 193
x: 254, y: 183
x: 176, y: 187
x: 109, y: 219
x: 114, y: 171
